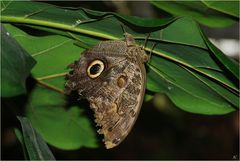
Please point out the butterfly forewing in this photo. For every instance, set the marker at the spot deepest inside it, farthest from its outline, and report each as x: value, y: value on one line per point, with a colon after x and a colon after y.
x: 116, y: 95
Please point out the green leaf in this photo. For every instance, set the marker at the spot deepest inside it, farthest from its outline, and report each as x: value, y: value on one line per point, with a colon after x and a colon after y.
x: 19, y: 135
x: 37, y: 149
x: 182, y: 65
x: 148, y: 97
x: 15, y: 64
x: 63, y: 128
x: 227, y: 7
x: 189, y: 90
x: 83, y: 21
x: 44, y: 50
x: 200, y: 77
x: 175, y: 33
x: 133, y: 20
x: 209, y: 13
x: 231, y: 65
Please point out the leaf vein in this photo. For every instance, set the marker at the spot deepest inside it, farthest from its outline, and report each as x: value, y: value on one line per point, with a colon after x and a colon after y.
x: 51, y: 48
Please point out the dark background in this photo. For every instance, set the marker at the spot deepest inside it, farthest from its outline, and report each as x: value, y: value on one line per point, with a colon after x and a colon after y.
x: 162, y: 131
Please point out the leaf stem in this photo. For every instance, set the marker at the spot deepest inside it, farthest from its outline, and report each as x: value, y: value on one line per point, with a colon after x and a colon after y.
x: 230, y: 88
x: 58, y: 25
x: 51, y: 76
x: 50, y: 87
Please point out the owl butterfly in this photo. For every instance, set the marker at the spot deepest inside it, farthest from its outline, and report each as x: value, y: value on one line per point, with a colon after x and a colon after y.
x: 111, y: 76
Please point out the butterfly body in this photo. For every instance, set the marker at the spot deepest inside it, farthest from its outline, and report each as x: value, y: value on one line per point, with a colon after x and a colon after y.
x: 111, y: 76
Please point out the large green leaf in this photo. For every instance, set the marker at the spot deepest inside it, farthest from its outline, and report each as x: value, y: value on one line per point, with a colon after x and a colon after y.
x: 19, y: 136
x: 229, y: 64
x: 189, y: 54
x: 227, y: 7
x: 109, y: 27
x: 188, y: 90
x: 36, y: 148
x: 15, y: 64
x: 210, y: 13
x: 63, y: 128
x: 42, y: 100
x: 44, y: 49
x: 182, y: 66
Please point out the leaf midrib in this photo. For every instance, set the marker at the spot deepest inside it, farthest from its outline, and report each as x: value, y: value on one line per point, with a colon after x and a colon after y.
x: 106, y: 36
x: 169, y: 81
x: 193, y: 68
x: 58, y: 25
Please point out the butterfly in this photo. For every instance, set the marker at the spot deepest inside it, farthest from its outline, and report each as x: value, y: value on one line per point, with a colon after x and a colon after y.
x: 112, y: 77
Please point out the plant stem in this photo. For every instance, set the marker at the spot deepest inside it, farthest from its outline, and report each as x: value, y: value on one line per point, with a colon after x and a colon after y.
x: 50, y: 87
x: 51, y: 76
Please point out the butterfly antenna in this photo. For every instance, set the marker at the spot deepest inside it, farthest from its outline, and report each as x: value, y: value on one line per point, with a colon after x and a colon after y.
x: 123, y: 29
x: 150, y: 54
x: 145, y: 42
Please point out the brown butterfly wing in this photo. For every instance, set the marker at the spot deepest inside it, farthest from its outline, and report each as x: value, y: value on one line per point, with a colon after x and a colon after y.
x: 116, y: 96
x: 118, y: 104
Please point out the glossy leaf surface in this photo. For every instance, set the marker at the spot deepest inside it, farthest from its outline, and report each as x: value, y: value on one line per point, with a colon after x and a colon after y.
x: 182, y: 65
x: 16, y: 65
x: 209, y: 13
x: 36, y: 148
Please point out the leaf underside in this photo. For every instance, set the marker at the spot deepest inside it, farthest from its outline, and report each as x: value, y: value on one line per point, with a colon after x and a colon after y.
x: 209, y: 13
x: 36, y: 148
x: 13, y: 56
